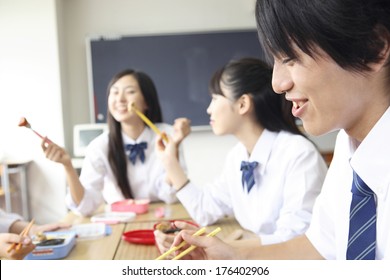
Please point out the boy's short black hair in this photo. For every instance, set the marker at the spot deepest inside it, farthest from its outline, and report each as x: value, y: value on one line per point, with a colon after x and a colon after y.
x: 351, y: 32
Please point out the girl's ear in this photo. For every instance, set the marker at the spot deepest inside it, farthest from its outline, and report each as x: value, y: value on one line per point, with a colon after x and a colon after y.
x: 245, y: 104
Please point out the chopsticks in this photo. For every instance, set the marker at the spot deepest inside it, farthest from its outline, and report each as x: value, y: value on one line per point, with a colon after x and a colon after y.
x: 192, y: 247
x: 189, y: 249
x: 23, y: 233
x: 173, y: 249
x: 147, y: 121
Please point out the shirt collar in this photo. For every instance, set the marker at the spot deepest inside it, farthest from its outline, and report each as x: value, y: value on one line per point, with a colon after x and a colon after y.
x: 371, y: 158
x: 262, y: 150
x: 145, y: 136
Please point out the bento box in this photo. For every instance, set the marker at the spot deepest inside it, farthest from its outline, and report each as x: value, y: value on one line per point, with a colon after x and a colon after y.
x: 57, y: 245
x: 138, y: 206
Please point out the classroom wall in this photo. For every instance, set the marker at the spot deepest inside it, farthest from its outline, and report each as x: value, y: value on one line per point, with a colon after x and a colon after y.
x: 30, y: 85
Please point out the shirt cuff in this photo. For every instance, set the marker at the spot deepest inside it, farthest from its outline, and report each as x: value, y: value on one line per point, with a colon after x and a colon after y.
x: 8, y: 220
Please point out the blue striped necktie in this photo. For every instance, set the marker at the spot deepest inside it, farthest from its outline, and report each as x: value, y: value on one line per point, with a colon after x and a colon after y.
x: 247, y: 174
x: 136, y: 150
x: 362, y: 222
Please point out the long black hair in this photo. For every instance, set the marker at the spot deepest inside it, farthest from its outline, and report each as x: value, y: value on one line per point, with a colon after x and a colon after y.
x: 254, y: 77
x: 116, y: 151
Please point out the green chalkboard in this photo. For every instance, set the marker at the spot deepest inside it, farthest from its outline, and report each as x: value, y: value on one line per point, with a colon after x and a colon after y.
x: 179, y: 64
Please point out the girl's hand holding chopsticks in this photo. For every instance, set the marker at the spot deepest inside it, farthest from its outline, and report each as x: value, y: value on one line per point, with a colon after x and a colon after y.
x: 23, y: 246
x: 14, y: 246
x: 8, y: 239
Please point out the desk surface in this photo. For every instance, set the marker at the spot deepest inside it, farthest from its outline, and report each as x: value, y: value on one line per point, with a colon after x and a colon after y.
x: 173, y: 212
x: 113, y: 247
x: 129, y: 251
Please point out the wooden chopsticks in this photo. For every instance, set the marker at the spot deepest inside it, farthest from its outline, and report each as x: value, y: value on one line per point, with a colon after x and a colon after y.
x: 147, y: 121
x: 189, y: 249
x: 23, y: 233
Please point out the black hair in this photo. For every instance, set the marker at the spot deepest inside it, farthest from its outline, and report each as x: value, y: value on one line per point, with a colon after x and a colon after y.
x: 351, y: 32
x: 254, y: 77
x: 116, y: 151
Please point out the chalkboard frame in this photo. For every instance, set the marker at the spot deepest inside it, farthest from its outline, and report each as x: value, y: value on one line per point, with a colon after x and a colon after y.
x: 180, y: 64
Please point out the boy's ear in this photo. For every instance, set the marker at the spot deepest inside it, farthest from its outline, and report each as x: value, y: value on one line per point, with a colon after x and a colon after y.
x: 244, y: 103
x: 385, y: 52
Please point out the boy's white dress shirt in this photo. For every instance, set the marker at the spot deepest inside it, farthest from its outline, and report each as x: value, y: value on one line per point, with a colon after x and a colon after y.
x: 371, y: 161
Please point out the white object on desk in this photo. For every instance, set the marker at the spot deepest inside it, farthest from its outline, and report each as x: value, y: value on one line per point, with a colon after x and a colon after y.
x: 114, y: 217
x: 88, y: 231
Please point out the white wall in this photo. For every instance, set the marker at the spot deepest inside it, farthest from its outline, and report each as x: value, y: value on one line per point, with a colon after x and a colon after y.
x: 30, y: 87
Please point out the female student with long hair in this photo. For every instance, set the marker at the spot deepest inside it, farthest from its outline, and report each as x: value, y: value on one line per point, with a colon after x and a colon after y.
x: 122, y: 163
x: 271, y: 178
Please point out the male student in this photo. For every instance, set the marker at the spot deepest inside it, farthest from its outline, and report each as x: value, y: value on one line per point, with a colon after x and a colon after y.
x: 331, y: 60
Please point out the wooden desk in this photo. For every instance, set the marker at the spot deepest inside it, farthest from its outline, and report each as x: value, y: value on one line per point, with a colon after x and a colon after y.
x: 113, y: 247
x: 129, y: 251
x: 174, y: 211
x: 103, y: 248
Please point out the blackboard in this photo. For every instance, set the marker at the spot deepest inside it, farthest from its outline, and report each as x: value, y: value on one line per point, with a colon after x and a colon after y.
x: 181, y: 66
